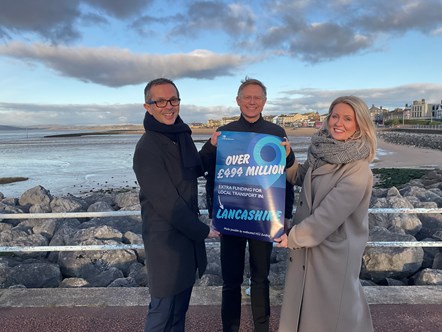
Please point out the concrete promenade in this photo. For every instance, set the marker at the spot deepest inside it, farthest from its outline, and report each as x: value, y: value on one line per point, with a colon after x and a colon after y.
x: 400, y: 309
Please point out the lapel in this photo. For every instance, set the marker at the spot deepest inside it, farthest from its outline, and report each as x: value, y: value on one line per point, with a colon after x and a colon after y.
x: 326, y: 185
x: 325, y: 169
x: 170, y: 154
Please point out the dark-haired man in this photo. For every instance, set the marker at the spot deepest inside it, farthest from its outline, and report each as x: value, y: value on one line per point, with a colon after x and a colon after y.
x: 167, y: 165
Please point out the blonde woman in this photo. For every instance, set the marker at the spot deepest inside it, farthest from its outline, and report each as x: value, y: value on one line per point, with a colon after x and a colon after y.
x: 322, y: 289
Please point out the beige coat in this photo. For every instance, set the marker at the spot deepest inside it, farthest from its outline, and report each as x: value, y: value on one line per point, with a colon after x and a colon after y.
x: 322, y: 290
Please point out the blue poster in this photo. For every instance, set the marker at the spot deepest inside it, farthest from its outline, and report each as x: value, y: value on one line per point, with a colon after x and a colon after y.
x: 249, y: 192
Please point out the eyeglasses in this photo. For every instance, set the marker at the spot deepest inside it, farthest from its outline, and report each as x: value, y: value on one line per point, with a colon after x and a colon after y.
x: 258, y: 99
x: 163, y: 102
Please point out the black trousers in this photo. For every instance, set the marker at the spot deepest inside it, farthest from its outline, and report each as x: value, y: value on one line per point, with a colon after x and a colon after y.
x: 168, y: 313
x: 232, y: 265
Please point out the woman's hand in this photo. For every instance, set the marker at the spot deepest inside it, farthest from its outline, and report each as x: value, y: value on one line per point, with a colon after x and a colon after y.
x: 282, y: 241
x: 214, y: 138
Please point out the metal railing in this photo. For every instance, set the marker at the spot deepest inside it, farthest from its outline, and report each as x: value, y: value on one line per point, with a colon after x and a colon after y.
x: 70, y: 215
x: 436, y: 126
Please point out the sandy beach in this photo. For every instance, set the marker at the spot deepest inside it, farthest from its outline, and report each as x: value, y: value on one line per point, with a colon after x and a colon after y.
x: 393, y: 155
x: 403, y: 156
x: 289, y: 131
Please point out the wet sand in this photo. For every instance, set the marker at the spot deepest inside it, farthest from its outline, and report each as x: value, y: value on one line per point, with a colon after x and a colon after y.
x: 404, y: 156
x: 290, y: 132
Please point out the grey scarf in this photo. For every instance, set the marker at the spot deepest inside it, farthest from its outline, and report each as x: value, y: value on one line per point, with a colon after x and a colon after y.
x: 326, y: 150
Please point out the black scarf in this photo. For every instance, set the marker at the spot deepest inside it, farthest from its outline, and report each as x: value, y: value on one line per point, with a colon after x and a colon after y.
x: 180, y: 133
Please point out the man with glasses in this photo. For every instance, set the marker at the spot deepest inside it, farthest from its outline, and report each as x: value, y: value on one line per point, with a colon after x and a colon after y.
x: 251, y: 98
x: 167, y: 165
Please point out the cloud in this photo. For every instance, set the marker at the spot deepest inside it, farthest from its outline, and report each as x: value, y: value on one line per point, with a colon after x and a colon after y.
x: 398, y: 16
x: 291, y: 101
x: 335, y: 41
x: 196, y: 113
x: 201, y: 16
x: 311, y: 31
x: 120, y: 9
x: 315, y: 100
x: 12, y: 114
x: 58, y: 21
x: 317, y: 31
x: 74, y: 114
x: 115, y: 67
x: 54, y: 21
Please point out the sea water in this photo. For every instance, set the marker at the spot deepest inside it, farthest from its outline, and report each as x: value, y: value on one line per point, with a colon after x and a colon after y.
x: 80, y: 164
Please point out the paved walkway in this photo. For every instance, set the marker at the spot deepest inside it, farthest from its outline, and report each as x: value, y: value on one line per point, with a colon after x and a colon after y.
x: 394, y: 309
x: 200, y: 318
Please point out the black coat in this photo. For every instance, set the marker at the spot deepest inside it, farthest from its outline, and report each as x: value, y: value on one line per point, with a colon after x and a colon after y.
x: 173, y: 235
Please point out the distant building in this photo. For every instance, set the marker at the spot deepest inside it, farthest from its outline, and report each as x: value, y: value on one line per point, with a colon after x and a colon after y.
x: 213, y: 123
x: 196, y: 125
x: 420, y: 110
x: 291, y: 120
x: 426, y: 111
x: 436, y: 110
x: 227, y: 120
x: 407, y: 112
x: 378, y: 115
x: 270, y: 118
x: 396, y: 114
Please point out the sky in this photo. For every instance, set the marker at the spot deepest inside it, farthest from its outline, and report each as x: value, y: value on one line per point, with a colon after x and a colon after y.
x: 86, y: 62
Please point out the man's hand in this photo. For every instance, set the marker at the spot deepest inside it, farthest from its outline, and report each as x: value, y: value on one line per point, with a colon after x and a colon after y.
x: 213, y: 233
x: 214, y: 138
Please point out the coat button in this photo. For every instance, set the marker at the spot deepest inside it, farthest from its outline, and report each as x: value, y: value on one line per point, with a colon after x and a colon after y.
x: 290, y: 259
x: 300, y: 203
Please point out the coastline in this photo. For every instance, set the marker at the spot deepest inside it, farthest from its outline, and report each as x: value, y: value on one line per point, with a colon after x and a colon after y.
x: 392, y: 156
x: 404, y: 156
x: 290, y: 131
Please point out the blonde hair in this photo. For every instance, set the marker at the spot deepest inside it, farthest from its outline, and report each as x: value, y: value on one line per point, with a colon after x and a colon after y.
x: 366, y: 129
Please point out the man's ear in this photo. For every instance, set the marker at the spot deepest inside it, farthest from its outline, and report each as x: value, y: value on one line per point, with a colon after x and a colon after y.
x: 147, y: 108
